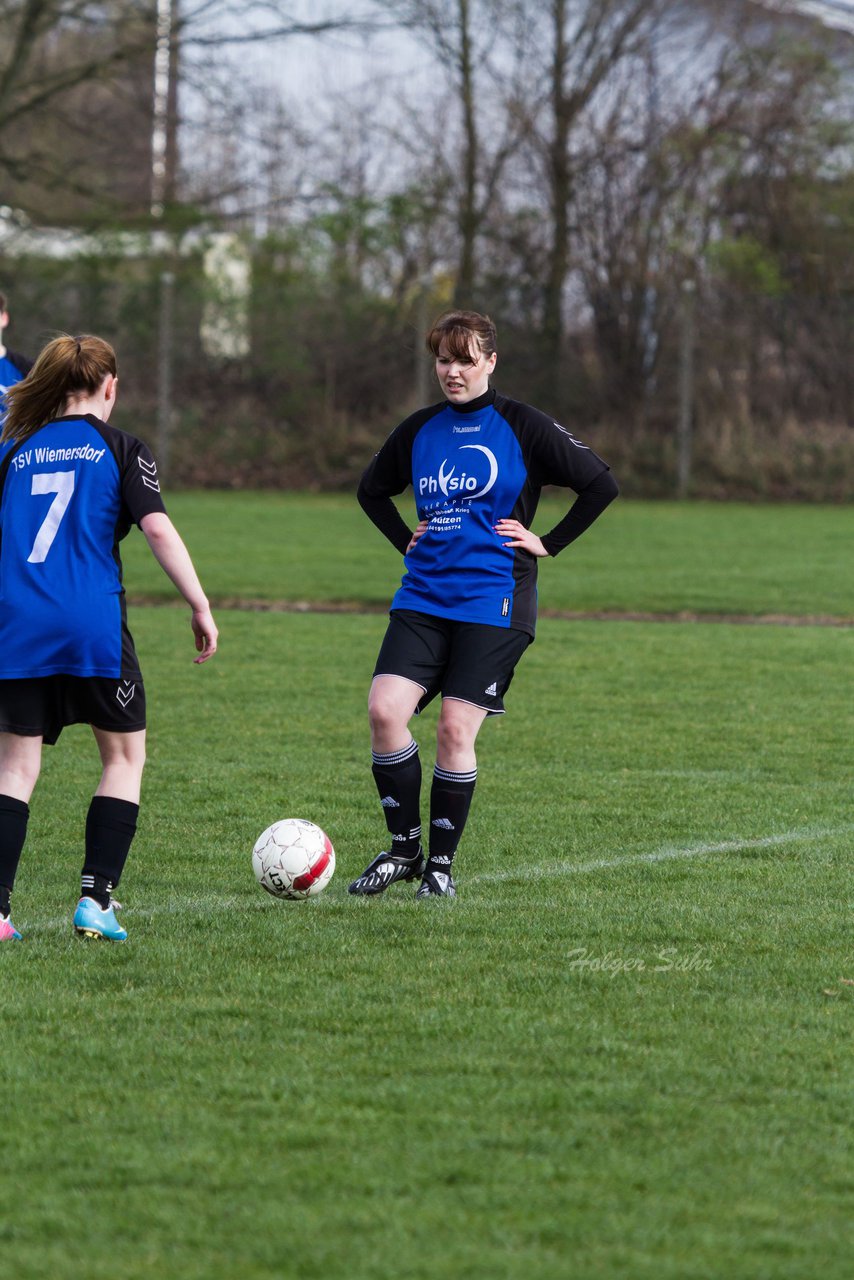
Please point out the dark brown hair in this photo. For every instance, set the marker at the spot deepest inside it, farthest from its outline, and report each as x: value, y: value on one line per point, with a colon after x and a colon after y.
x: 67, y: 366
x: 459, y: 330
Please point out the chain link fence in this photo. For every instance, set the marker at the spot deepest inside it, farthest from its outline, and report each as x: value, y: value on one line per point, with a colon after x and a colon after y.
x: 246, y: 367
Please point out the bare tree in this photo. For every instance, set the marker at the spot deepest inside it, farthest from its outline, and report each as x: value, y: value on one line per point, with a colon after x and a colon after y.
x: 221, y: 23
x: 475, y: 50
x: 644, y: 205
x: 587, y: 43
x: 32, y: 29
x: 51, y: 49
x: 48, y: 50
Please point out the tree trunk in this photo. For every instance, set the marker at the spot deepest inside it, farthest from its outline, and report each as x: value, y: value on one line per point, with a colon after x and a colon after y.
x: 560, y: 183
x: 468, y: 217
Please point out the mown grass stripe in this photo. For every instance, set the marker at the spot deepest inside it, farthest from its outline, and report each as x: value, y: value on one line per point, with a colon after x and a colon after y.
x: 225, y: 902
x: 248, y: 604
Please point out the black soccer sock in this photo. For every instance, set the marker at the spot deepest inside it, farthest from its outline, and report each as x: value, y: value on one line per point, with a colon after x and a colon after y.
x: 14, y: 815
x: 110, y: 828
x: 398, y: 779
x: 450, y: 801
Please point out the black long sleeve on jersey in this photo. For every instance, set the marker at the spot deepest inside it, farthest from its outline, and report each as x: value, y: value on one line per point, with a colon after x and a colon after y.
x: 588, y: 506
x: 386, y: 517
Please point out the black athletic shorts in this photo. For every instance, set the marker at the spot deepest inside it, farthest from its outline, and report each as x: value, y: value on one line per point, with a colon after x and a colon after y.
x: 43, y: 705
x: 470, y: 661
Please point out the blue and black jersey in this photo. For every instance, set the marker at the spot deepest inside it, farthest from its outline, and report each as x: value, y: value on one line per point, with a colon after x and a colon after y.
x: 469, y: 466
x: 13, y: 368
x: 68, y: 495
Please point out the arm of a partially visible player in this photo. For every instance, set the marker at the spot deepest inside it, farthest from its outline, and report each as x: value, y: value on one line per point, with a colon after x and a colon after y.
x: 174, y: 559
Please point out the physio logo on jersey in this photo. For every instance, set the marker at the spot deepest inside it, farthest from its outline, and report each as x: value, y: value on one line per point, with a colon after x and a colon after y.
x: 466, y: 478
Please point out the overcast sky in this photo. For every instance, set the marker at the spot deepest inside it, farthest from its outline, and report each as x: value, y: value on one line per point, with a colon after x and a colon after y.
x: 342, y: 61
x: 835, y: 13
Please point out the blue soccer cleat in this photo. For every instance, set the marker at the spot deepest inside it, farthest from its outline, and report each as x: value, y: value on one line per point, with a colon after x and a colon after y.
x: 8, y: 932
x: 92, y: 921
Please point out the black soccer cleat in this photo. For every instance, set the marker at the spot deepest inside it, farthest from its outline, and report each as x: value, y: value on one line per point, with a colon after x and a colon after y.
x: 436, y: 884
x: 386, y: 869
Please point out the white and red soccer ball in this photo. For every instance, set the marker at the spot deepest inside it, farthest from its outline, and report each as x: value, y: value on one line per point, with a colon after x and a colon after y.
x: 293, y: 859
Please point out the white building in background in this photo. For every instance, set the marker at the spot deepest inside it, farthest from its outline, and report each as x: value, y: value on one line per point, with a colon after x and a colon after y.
x: 225, y: 315
x: 224, y: 327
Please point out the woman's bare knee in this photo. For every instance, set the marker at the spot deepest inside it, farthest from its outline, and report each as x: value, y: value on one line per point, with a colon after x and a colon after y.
x: 19, y: 780
x: 122, y: 761
x: 452, y: 736
x: 391, y: 705
x: 456, y: 733
x: 20, y: 765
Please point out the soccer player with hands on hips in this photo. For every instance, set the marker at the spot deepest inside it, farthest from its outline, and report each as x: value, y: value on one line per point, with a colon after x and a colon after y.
x: 465, y: 611
x: 70, y: 488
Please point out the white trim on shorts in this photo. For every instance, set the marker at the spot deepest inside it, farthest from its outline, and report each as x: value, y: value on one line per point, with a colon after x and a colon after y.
x: 490, y: 711
x: 397, y: 676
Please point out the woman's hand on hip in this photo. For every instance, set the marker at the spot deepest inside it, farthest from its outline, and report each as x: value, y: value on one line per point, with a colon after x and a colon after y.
x: 519, y: 536
x: 420, y: 530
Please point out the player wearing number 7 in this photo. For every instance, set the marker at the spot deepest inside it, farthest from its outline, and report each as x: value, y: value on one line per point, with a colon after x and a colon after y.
x: 70, y: 488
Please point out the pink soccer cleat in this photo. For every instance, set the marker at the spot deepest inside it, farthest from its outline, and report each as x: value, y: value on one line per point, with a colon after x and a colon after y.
x: 8, y: 932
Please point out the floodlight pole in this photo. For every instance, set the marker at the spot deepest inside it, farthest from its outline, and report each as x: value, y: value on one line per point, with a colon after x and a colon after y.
x: 162, y: 184
x: 422, y: 367
x: 162, y: 123
x: 165, y: 328
x: 685, y: 424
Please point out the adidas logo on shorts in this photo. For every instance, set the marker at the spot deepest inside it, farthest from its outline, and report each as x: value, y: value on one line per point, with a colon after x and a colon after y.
x: 492, y: 691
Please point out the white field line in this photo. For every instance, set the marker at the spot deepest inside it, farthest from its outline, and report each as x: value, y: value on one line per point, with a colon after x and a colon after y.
x: 665, y: 854
x: 198, y: 905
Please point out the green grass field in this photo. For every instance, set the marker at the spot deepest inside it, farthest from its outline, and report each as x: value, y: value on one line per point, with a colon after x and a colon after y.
x: 660, y: 557
x: 624, y: 1051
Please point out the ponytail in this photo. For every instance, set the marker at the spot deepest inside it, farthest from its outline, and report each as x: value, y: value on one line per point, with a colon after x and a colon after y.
x: 67, y: 366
